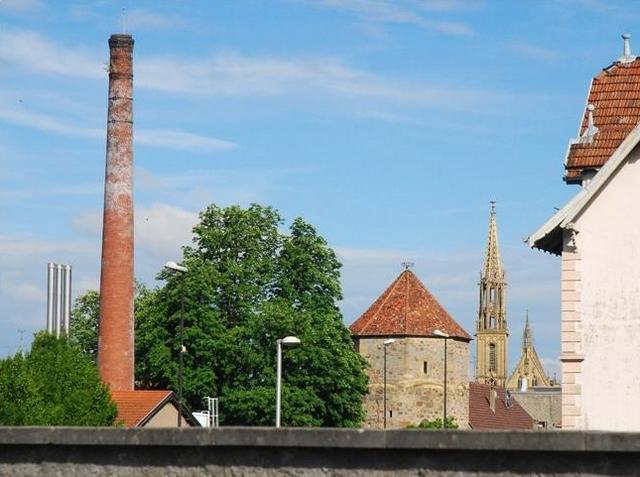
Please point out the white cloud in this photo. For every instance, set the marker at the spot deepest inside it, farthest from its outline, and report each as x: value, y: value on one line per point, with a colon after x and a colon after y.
x: 534, y: 52
x: 162, y: 229
x: 142, y: 19
x: 450, y: 5
x: 38, y: 53
x: 386, y: 11
x: 20, y: 5
x: 232, y: 74
x: 552, y: 367
x: 180, y: 140
x: 15, y: 112
x: 23, y: 291
x: 159, y: 229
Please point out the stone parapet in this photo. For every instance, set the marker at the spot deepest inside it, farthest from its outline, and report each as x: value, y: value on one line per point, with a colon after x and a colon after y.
x: 313, y: 452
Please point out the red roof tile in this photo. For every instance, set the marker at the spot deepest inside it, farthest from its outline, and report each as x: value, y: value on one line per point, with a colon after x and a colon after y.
x: 615, y: 93
x: 406, y: 308
x: 481, y: 417
x: 135, y: 406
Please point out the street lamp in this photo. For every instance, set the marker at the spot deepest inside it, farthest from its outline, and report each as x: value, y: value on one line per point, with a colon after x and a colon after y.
x: 173, y: 266
x: 385, y: 343
x: 290, y: 342
x: 444, y: 336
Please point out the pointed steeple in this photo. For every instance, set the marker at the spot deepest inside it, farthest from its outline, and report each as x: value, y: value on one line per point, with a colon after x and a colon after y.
x: 527, y: 336
x: 493, y: 270
x: 491, y: 326
x: 529, y: 369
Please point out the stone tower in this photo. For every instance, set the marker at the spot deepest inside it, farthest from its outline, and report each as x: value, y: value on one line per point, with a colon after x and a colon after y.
x: 529, y: 371
x: 115, y: 345
x: 412, y: 346
x: 491, y: 327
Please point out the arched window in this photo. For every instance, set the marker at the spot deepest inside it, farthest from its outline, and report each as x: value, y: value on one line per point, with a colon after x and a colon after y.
x: 492, y: 357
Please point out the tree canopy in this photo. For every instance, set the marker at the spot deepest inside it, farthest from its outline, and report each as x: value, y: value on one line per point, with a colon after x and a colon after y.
x: 250, y: 283
x: 54, y: 384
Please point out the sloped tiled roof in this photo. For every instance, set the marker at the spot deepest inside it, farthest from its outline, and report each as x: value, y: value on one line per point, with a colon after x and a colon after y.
x: 406, y: 308
x: 615, y: 94
x: 482, y: 417
x: 135, y: 407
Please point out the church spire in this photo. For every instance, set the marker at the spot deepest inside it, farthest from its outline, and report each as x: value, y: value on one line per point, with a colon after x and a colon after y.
x: 493, y: 270
x: 491, y: 325
x: 527, y: 336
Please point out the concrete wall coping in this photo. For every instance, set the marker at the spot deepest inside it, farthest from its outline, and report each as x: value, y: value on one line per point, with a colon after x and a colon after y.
x: 564, y: 441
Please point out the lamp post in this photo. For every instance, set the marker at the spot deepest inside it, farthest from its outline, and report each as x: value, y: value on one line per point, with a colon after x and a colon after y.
x: 385, y: 343
x: 445, y: 337
x: 173, y: 266
x: 289, y: 341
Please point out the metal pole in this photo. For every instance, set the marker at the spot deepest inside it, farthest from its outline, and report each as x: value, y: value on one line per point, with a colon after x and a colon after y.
x: 181, y: 357
x: 384, y: 387
x: 50, y: 279
x: 59, y: 298
x: 444, y: 421
x: 278, y: 379
x: 67, y: 298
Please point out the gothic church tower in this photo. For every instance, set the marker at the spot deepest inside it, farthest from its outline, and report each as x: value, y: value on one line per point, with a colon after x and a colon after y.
x: 491, y: 327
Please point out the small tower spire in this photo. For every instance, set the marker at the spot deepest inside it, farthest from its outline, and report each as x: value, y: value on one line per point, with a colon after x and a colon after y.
x: 492, y: 263
x: 527, y: 336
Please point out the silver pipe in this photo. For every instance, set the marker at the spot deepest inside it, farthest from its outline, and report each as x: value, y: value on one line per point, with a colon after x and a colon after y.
x: 67, y: 298
x: 50, y: 279
x: 59, y: 284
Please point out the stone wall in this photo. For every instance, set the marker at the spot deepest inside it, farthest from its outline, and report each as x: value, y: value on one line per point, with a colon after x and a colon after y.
x: 250, y: 452
x: 414, y: 395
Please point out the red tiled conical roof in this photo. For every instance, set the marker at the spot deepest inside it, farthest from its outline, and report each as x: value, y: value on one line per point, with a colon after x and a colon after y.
x: 406, y: 308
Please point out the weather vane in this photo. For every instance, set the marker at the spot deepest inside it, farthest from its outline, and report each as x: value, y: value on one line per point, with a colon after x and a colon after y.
x: 407, y: 265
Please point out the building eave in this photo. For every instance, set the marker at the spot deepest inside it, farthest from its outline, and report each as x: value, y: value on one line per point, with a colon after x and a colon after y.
x: 548, y: 237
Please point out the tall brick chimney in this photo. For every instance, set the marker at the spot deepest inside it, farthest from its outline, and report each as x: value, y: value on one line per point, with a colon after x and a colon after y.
x: 116, y: 345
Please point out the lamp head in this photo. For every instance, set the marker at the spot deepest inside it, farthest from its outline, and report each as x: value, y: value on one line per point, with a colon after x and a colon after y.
x: 389, y: 341
x: 175, y: 267
x: 290, y: 341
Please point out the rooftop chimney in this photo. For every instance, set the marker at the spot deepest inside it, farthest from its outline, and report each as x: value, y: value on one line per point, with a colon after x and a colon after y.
x: 115, y: 346
x: 493, y: 394
x: 626, y: 57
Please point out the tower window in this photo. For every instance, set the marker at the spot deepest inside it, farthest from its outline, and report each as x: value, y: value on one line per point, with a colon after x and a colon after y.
x: 390, y: 413
x: 425, y: 367
x: 492, y: 357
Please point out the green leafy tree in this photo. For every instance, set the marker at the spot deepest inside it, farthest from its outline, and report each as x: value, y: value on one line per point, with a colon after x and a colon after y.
x: 248, y: 285
x: 84, y: 323
x: 449, y: 423
x: 85, y: 315
x: 53, y: 385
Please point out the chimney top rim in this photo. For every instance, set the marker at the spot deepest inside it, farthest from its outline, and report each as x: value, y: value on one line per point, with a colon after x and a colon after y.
x: 121, y: 40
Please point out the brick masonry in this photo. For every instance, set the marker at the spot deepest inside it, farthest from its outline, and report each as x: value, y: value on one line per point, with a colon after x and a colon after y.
x: 115, y: 346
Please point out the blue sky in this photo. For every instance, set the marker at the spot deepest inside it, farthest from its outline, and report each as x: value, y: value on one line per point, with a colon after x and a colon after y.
x: 389, y: 125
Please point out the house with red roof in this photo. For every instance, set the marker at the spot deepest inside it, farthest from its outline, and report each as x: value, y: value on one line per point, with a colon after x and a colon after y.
x: 493, y: 408
x: 150, y: 408
x: 418, y: 356
x: 597, y: 236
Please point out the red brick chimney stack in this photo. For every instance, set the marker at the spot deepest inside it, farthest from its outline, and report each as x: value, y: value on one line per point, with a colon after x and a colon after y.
x: 116, y: 345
